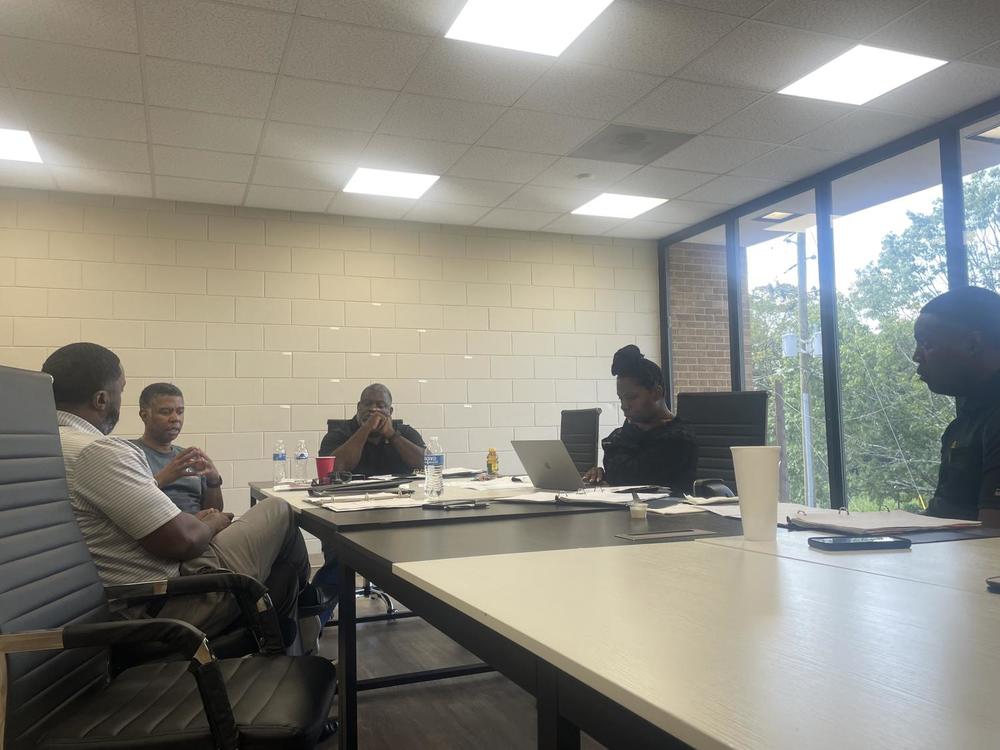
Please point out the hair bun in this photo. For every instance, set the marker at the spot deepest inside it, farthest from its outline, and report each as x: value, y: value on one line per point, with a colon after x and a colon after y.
x: 626, y: 359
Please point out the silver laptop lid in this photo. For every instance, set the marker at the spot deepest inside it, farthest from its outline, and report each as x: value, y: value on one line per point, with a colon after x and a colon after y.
x: 548, y: 463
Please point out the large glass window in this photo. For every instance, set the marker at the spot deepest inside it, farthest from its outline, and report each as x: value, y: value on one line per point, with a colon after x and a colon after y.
x: 980, y: 157
x: 783, y: 339
x: 890, y: 259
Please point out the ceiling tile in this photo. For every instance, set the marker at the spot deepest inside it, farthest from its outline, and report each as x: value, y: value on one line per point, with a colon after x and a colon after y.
x: 225, y: 91
x: 102, y: 181
x: 686, y: 106
x: 789, y: 163
x: 521, y: 129
x: 475, y: 72
x: 291, y: 199
x: 989, y: 55
x: 10, y: 114
x: 861, y: 130
x: 312, y: 143
x: 551, y: 199
x: 582, y: 90
x: 285, y: 6
x: 943, y: 28
x: 440, y: 119
x: 730, y: 191
x: 92, y: 153
x: 584, y: 174
x: 375, y: 206
x: 428, y: 17
x: 765, y: 57
x: 352, y: 54
x: 660, y: 183
x: 745, y: 8
x: 410, y: 154
x: 708, y: 153
x: 462, y: 191
x: 576, y: 224
x: 445, y: 213
x: 25, y: 175
x: 61, y: 69
x: 200, y: 191
x: 108, y: 25
x: 779, y: 119
x: 75, y: 115
x: 331, y: 105
x: 308, y: 175
x: 203, y: 165
x: 178, y: 127
x: 851, y: 18
x: 213, y: 33
x: 640, y: 229
x: 942, y: 92
x: 683, y: 213
x: 649, y: 36
x: 500, y: 164
x: 506, y: 218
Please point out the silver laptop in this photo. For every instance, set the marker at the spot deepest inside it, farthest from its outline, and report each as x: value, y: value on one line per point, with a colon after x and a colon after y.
x: 548, y: 464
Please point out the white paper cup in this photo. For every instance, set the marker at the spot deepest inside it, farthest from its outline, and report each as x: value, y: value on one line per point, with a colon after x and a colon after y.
x: 757, y: 481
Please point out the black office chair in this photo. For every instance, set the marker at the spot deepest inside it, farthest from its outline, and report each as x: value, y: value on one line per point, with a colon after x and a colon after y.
x: 58, y: 685
x: 579, y: 432
x: 719, y: 420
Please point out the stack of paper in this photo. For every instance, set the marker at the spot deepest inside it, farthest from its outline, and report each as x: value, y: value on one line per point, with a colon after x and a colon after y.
x: 678, y: 509
x: 373, y: 501
x: 609, y: 496
x: 873, y: 522
x: 691, y: 500
x: 500, y: 483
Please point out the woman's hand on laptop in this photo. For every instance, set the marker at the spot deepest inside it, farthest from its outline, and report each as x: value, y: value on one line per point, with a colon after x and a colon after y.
x: 594, y: 475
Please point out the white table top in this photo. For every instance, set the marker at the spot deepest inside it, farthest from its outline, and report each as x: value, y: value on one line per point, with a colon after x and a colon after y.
x: 963, y: 565
x: 723, y: 647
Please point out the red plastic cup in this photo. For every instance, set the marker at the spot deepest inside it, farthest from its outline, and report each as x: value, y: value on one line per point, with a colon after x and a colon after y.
x: 324, y: 466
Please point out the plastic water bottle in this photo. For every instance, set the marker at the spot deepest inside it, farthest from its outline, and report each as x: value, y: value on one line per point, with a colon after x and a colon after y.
x: 433, y: 469
x: 301, y: 465
x: 278, y: 460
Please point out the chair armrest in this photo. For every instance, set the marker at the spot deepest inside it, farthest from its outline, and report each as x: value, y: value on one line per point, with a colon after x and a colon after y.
x: 251, y: 595
x: 182, y: 636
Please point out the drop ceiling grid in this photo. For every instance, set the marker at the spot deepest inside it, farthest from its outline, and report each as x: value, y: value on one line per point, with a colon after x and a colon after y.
x: 632, y: 63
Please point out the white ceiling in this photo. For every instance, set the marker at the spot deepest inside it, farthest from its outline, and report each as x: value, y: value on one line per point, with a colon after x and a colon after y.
x: 274, y: 103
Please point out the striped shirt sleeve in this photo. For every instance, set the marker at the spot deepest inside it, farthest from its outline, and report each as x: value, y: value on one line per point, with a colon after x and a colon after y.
x: 115, y: 477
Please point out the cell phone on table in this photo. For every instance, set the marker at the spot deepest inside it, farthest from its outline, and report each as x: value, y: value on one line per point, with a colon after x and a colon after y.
x: 855, y: 543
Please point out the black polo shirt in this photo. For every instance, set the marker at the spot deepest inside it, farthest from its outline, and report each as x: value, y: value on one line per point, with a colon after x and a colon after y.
x: 969, y: 477
x: 376, y: 458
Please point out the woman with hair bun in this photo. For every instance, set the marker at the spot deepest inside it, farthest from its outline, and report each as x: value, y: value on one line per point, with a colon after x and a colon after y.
x: 653, y: 446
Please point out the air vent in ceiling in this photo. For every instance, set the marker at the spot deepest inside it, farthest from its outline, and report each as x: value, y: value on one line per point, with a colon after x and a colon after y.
x: 623, y: 143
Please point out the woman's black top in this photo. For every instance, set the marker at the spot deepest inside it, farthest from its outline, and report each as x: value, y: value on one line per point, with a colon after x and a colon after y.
x: 666, y: 456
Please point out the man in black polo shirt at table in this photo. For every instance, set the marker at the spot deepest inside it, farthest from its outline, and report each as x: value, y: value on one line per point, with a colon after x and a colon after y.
x: 958, y: 354
x: 372, y: 442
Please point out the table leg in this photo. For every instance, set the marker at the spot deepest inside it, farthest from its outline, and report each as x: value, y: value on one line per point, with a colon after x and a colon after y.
x: 347, y: 664
x: 555, y: 732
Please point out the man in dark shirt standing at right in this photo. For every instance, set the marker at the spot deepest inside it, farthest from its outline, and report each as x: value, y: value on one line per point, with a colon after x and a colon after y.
x: 372, y: 442
x: 958, y: 354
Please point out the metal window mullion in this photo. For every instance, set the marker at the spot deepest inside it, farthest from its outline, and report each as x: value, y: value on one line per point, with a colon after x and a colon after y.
x: 666, y: 348
x: 953, y: 197
x: 734, y: 296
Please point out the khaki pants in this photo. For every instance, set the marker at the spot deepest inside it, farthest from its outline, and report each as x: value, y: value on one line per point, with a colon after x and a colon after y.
x: 263, y: 537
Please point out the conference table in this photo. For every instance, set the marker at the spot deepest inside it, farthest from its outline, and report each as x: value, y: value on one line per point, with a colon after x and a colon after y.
x: 714, y: 643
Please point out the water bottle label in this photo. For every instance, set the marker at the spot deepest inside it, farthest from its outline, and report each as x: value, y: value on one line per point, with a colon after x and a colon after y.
x: 278, y: 456
x: 302, y: 455
x: 433, y: 460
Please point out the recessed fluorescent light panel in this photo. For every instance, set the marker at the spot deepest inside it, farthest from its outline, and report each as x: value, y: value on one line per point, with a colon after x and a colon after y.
x: 17, y: 145
x: 618, y: 206
x: 545, y: 27
x: 388, y: 182
x: 776, y: 216
x: 861, y: 74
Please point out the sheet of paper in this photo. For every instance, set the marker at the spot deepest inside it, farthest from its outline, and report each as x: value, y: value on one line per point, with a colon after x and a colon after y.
x: 500, y: 483
x: 289, y: 486
x: 691, y: 500
x: 459, y: 470
x: 783, y: 511
x: 678, y: 510
x: 530, y: 497
x: 375, y: 501
x: 609, y: 496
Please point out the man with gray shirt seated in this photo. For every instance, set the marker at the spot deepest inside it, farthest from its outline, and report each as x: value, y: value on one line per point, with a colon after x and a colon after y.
x: 134, y: 532
x: 186, y: 475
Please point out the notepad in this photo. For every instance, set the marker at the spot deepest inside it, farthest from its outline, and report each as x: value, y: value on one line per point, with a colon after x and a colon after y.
x: 374, y: 501
x: 873, y: 522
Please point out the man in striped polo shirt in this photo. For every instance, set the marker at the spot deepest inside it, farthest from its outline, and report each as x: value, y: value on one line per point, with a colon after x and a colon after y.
x: 134, y: 532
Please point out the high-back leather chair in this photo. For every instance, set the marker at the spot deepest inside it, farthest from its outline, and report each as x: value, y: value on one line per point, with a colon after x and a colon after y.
x: 579, y: 432
x: 58, y: 688
x: 719, y: 420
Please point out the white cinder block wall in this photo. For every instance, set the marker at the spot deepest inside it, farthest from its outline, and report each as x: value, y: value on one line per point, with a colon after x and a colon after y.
x: 273, y: 321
